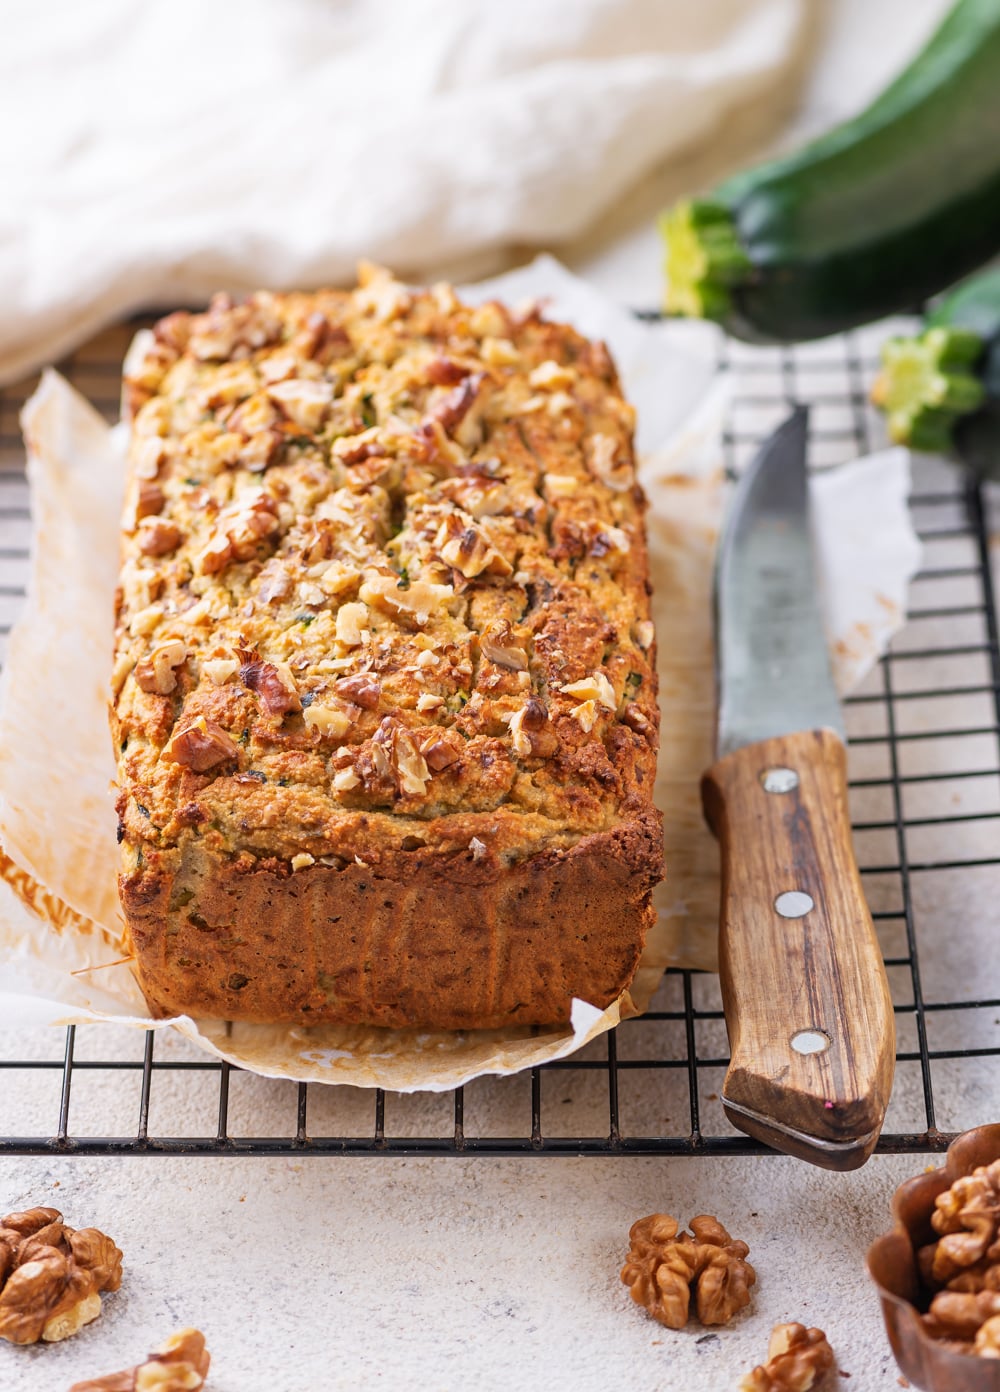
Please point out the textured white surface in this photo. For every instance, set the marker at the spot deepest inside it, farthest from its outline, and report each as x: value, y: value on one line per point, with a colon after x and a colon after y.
x: 449, y: 1274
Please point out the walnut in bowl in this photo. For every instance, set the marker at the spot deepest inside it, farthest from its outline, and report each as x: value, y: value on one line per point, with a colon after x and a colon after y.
x: 938, y: 1270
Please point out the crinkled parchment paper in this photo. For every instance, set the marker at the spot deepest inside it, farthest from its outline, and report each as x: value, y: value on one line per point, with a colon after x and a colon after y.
x: 59, y: 918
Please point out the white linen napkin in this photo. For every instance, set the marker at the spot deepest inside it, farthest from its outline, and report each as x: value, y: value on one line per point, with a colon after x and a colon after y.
x: 155, y: 152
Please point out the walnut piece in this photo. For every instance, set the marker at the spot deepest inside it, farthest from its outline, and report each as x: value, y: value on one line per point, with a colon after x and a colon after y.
x: 156, y: 674
x: 272, y: 682
x: 51, y: 1276
x: 963, y: 1266
x: 200, y: 746
x: 988, y: 1338
x: 179, y: 1365
x: 663, y: 1267
x: 968, y: 1217
x: 240, y: 529
x: 157, y: 536
x: 797, y: 1358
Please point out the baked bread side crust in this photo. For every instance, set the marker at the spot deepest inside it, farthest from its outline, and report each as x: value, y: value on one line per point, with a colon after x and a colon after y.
x: 417, y: 939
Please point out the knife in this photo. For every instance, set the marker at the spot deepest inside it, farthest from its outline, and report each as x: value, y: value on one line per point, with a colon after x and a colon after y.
x: 806, y: 999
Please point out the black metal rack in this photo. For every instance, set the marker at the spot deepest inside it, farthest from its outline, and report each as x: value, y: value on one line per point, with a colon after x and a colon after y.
x: 644, y: 1089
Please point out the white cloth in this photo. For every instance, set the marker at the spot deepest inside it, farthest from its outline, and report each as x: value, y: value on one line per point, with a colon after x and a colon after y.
x: 155, y: 151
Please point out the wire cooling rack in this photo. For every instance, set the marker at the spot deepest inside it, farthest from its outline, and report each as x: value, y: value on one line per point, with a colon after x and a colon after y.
x: 925, y: 802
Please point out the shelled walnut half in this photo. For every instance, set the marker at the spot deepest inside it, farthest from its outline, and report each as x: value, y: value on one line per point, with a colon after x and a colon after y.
x: 178, y: 1365
x: 797, y: 1359
x: 663, y: 1267
x: 963, y: 1266
x: 51, y: 1276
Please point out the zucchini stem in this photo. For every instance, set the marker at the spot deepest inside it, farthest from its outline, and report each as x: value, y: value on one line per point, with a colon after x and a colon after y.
x: 704, y: 259
x: 927, y: 383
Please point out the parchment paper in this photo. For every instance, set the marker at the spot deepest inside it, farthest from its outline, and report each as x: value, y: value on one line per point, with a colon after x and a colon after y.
x: 59, y: 919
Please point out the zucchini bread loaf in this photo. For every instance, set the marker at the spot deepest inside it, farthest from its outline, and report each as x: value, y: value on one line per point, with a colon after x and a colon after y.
x: 384, y: 690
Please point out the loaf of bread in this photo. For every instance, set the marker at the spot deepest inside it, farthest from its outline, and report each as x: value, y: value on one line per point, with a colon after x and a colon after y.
x: 384, y: 690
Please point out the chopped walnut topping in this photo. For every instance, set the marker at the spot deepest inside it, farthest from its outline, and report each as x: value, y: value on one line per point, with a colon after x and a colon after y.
x: 498, y: 645
x: 225, y: 328
x: 452, y: 410
x: 148, y: 500
x: 645, y: 633
x: 352, y: 623
x: 240, y: 530
x: 462, y: 543
x: 445, y: 372
x: 157, y: 536
x: 143, y: 623
x: 663, y: 1268
x: 336, y: 578
x: 51, y: 1276
x: 519, y: 739
x: 596, y: 687
x: 220, y: 669
x: 380, y: 293
x: 200, y: 746
x: 606, y: 540
x: 633, y: 717
x: 530, y: 719
x: 355, y: 449
x: 797, y: 1359
x: 499, y: 352
x: 333, y: 720
x: 147, y: 456
x: 604, y: 464
x: 305, y: 402
x: 310, y: 595
x: 585, y: 715
x: 362, y: 689
x: 180, y: 1364
x: 302, y: 860
x: 273, y: 682
x: 441, y: 752
x: 561, y: 485
x: 274, y: 582
x: 157, y: 674
x: 414, y: 775
x: 478, y: 848
x: 489, y: 320
x: 397, y: 757
x: 552, y: 376
x: 402, y: 541
x: 418, y: 601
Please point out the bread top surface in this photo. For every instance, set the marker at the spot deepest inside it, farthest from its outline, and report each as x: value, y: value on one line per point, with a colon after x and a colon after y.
x: 384, y: 583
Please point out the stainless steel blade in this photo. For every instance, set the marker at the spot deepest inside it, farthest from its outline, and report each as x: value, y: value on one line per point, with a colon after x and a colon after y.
x: 772, y: 662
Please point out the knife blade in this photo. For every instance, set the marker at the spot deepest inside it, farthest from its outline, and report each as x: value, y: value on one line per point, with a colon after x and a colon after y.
x: 805, y: 994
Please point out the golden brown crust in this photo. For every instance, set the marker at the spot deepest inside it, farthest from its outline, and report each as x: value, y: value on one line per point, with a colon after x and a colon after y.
x: 384, y: 600
x: 422, y: 939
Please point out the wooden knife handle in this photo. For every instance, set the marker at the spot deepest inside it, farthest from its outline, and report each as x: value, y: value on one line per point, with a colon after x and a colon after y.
x: 800, y: 965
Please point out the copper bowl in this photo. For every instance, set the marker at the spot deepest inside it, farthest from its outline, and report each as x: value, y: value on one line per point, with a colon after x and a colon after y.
x: 892, y: 1264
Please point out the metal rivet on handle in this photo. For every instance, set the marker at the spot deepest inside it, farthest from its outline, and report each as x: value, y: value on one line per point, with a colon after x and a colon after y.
x: 810, y: 1042
x: 794, y: 903
x: 779, y: 780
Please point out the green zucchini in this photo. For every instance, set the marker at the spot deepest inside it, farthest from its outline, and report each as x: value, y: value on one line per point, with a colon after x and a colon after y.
x: 871, y: 219
x: 940, y: 388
